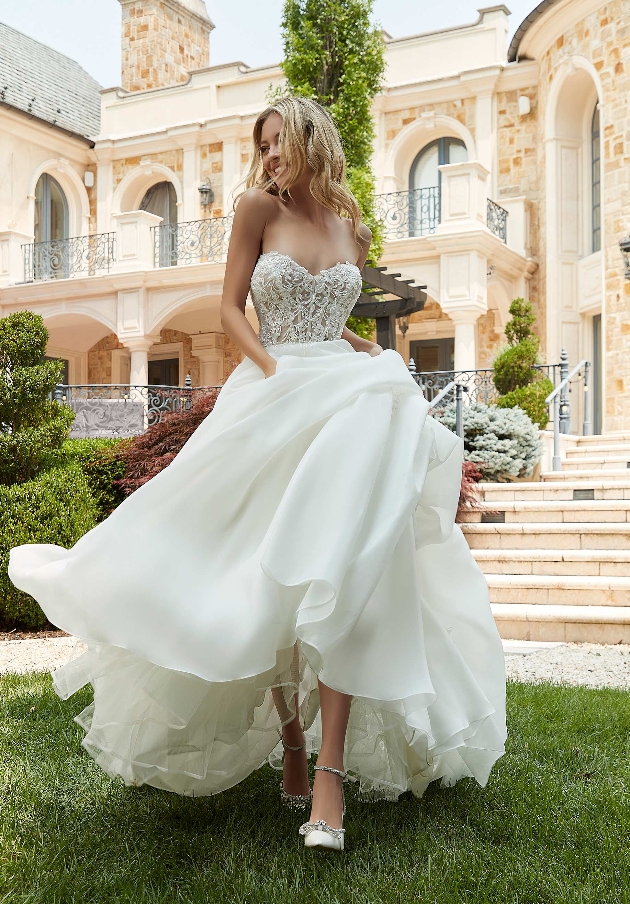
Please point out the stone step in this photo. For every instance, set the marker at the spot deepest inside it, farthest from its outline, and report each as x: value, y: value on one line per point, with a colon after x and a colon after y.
x: 571, y: 624
x: 552, y: 511
x: 509, y: 492
x: 573, y: 475
x: 559, y: 590
x: 537, y: 535
x: 600, y: 451
x: 600, y: 562
x: 592, y: 462
x: 604, y: 438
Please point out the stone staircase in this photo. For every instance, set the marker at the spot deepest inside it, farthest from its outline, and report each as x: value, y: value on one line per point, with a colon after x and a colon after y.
x: 556, y: 554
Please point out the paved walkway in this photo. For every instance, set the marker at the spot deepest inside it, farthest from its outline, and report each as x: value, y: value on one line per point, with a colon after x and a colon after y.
x: 572, y: 663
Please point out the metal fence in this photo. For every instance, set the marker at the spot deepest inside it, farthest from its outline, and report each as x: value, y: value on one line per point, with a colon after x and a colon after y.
x: 409, y: 213
x: 497, y: 220
x: 192, y: 242
x: 120, y: 410
x: 478, y: 385
x: 86, y: 255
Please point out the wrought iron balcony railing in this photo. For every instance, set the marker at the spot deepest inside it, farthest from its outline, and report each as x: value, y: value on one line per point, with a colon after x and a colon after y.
x: 120, y: 410
x: 85, y: 255
x: 409, y: 213
x: 497, y: 220
x: 192, y: 242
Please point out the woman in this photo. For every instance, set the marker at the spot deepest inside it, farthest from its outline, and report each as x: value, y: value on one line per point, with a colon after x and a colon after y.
x: 299, y: 554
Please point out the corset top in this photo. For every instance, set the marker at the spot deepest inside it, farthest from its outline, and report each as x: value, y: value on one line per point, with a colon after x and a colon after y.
x: 294, y: 306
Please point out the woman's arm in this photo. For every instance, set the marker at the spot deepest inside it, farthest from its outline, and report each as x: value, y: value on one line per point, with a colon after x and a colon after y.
x: 252, y: 213
x: 357, y: 343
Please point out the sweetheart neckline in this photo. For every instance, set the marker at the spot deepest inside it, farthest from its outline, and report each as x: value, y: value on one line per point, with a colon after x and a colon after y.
x: 300, y: 267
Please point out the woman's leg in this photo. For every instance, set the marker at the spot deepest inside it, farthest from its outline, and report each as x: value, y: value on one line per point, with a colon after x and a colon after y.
x: 295, y: 769
x: 327, y: 793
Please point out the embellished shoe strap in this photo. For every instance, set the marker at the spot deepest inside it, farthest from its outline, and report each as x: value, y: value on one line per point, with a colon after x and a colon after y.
x: 321, y: 826
x: 288, y: 746
x: 343, y: 775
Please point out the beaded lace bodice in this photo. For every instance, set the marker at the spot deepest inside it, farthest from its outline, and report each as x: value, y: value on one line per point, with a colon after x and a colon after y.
x: 294, y: 306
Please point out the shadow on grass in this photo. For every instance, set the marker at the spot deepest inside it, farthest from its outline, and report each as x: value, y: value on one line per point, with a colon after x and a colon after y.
x: 551, y: 826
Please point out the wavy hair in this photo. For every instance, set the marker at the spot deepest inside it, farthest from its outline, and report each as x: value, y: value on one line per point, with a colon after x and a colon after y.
x: 308, y: 138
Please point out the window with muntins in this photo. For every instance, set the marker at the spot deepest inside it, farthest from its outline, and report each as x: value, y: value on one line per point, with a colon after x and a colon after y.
x: 596, y: 205
x: 425, y: 180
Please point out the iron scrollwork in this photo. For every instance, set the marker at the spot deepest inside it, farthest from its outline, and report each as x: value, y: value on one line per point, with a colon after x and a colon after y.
x: 87, y: 255
x: 192, y: 242
x: 497, y: 220
x: 409, y: 213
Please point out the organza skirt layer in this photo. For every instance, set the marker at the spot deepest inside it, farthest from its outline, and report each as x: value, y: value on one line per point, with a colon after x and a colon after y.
x: 306, y: 529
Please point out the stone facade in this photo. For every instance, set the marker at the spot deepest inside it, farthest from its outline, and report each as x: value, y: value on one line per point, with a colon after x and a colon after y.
x: 211, y: 168
x: 461, y: 110
x: 174, y: 160
x: 232, y: 357
x: 99, y: 366
x: 162, y: 42
x: 603, y: 38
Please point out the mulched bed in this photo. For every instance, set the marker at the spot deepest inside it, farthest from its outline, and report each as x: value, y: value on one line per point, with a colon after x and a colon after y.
x: 31, y: 635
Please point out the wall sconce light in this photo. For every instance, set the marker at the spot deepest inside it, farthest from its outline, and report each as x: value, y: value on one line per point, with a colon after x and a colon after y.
x: 624, y: 244
x: 206, y: 193
x: 403, y: 325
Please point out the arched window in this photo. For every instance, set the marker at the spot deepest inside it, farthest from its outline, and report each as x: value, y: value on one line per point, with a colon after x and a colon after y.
x: 425, y: 180
x: 161, y: 200
x: 51, y: 210
x: 596, y: 203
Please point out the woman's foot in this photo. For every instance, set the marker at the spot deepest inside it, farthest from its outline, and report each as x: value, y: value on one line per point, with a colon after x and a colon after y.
x: 328, y: 804
x: 295, y: 767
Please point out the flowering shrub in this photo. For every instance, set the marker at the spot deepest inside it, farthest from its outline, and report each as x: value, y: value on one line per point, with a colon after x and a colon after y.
x: 502, y: 442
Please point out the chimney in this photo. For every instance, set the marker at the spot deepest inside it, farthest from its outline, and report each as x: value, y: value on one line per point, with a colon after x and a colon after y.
x: 163, y: 41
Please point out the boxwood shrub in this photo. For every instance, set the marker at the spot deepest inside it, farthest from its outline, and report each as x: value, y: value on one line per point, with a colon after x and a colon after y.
x: 57, y: 506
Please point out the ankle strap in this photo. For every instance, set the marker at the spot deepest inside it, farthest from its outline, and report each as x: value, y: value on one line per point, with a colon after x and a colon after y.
x: 343, y: 775
x: 288, y: 746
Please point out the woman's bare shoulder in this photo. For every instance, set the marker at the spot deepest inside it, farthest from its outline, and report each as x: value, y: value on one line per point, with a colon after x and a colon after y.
x: 255, y: 199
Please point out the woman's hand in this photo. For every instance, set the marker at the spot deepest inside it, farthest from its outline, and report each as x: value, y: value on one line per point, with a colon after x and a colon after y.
x: 269, y: 367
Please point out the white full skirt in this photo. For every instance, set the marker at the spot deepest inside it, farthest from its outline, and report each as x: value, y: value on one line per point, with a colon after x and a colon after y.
x: 305, y: 530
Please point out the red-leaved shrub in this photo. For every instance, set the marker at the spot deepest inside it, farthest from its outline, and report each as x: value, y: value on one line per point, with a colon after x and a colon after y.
x: 469, y: 498
x: 148, y: 454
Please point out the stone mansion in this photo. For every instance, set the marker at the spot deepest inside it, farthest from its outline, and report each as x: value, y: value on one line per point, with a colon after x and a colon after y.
x: 501, y: 171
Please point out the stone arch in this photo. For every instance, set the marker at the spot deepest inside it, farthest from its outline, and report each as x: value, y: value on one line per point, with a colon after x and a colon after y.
x: 131, y: 189
x: 574, y: 92
x: 499, y: 300
x: 410, y: 140
x: 74, y: 190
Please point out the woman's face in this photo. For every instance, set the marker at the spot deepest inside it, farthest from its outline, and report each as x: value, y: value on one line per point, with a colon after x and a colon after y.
x: 275, y: 168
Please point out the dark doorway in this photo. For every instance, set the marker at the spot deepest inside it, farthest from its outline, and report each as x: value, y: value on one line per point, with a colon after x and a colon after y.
x: 432, y: 355
x: 164, y: 373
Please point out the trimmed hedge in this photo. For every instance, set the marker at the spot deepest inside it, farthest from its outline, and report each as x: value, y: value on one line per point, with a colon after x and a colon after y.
x: 56, y: 507
x: 100, y: 462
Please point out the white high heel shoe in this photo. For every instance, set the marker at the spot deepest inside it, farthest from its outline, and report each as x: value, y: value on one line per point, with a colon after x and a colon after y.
x: 294, y: 801
x: 319, y: 834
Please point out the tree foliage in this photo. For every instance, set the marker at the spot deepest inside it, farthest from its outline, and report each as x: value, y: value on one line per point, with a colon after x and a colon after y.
x: 516, y: 377
x: 31, y: 425
x: 334, y: 54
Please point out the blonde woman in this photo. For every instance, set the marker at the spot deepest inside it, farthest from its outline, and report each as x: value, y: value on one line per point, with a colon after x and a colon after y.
x: 293, y: 582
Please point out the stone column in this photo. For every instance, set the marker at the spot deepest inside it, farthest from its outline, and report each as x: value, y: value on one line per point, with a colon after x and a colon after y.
x: 208, y: 347
x: 464, y: 298
x: 190, y: 183
x: 139, y: 348
x: 12, y: 256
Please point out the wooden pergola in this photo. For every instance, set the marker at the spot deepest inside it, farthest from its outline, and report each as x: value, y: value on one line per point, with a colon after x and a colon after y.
x: 385, y: 297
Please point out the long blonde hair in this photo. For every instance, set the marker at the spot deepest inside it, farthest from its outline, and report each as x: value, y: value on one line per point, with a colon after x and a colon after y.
x: 308, y: 137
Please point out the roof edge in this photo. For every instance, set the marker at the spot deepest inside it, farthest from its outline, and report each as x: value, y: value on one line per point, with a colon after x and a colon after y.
x: 51, y: 125
x: 524, y: 27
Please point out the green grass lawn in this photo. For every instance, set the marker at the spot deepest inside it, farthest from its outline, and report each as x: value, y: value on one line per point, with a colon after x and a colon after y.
x: 553, y: 824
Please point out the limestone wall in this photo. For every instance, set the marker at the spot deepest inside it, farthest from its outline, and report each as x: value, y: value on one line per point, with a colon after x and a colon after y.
x: 461, y: 110
x: 161, y: 44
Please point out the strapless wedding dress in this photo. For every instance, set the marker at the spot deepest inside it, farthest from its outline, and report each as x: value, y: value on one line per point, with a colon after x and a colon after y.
x: 306, y: 529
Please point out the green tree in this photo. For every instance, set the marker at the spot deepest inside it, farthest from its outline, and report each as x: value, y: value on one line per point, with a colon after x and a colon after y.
x: 335, y: 55
x: 31, y: 425
x: 516, y: 376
